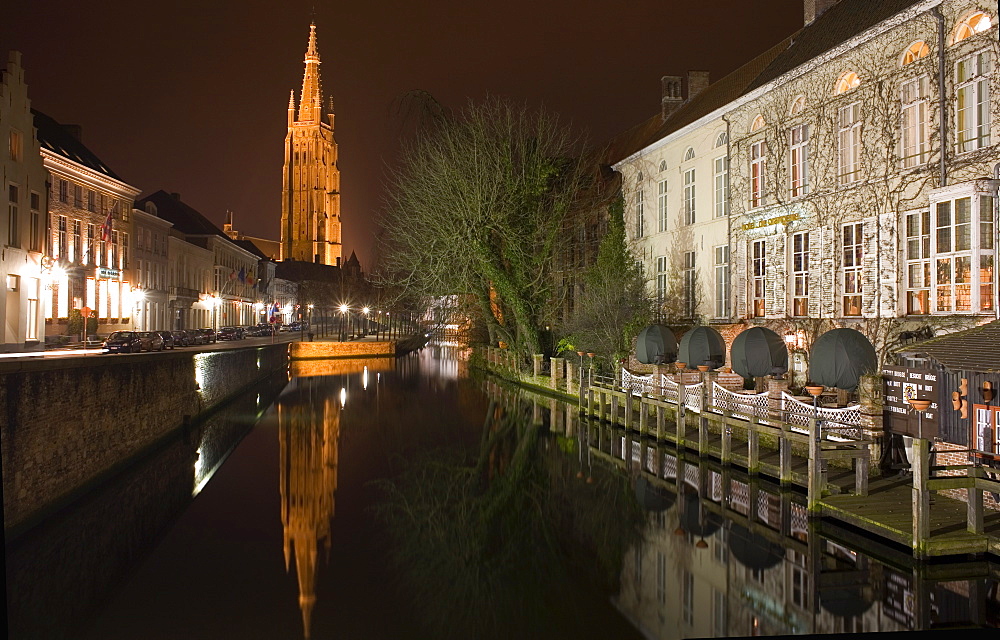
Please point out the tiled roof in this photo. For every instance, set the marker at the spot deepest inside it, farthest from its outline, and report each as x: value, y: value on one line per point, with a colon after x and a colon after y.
x: 57, y: 139
x: 976, y: 349
x: 251, y: 247
x: 836, y: 25
x: 185, y: 219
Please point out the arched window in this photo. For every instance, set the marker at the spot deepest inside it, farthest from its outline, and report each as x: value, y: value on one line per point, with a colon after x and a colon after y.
x: 663, y: 165
x: 798, y: 105
x: 638, y: 178
x: 915, y: 51
x: 972, y: 24
x: 689, y: 154
x: 757, y: 124
x: 722, y: 140
x: 847, y: 81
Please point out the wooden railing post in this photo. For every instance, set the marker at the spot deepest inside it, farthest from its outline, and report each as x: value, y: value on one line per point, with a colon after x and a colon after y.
x: 727, y: 437
x: 753, y: 446
x: 975, y: 498
x: 921, y: 497
x: 815, y: 489
x: 861, y: 466
x: 614, y: 408
x: 785, y: 454
x: 681, y: 422
x: 660, y: 420
x: 643, y: 415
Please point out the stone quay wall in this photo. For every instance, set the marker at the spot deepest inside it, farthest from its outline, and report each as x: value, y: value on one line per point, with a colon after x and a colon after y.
x: 66, y: 422
x: 354, y: 349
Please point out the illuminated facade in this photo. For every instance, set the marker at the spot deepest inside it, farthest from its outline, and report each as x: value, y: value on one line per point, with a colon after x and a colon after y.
x: 23, y: 228
x: 89, y: 232
x: 150, y: 271
x: 309, y: 433
x: 310, y: 195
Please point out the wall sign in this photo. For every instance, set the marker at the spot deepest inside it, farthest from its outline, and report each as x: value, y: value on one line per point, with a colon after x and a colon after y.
x: 898, y: 385
x: 107, y: 273
x: 767, y: 222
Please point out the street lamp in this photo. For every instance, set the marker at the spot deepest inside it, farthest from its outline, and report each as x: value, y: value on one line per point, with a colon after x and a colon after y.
x: 343, y: 313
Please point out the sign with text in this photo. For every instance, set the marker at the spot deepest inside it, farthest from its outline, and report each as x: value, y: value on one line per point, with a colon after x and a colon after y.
x: 899, y: 384
x: 107, y: 273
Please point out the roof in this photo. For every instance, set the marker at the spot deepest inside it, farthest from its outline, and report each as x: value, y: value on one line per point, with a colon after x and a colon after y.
x: 57, y: 138
x: 185, y: 219
x: 976, y: 349
x: 836, y: 25
x: 251, y: 247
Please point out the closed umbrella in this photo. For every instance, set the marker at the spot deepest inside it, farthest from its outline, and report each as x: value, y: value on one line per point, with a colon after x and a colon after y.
x: 840, y: 357
x: 702, y: 345
x: 757, y: 352
x: 656, y: 344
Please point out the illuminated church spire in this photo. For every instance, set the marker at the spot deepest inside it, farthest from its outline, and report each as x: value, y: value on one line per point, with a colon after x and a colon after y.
x: 310, y: 196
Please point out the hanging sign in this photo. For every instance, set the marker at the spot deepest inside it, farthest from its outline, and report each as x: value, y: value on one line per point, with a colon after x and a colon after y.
x: 899, y: 385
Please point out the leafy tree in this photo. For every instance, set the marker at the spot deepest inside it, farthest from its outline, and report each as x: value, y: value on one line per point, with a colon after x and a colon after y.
x: 475, y: 210
x: 615, y: 305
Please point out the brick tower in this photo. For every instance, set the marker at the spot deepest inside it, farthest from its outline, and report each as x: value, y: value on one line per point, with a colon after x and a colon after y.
x: 310, y: 195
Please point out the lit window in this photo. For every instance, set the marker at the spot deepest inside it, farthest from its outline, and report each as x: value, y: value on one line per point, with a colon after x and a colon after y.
x: 798, y: 106
x: 970, y: 26
x: 798, y: 160
x: 849, y: 142
x: 847, y: 82
x: 758, y: 165
x: 915, y: 51
x: 973, y: 109
x: 722, y: 281
x: 661, y: 205
x: 963, y: 255
x: 758, y: 269
x: 757, y: 124
x: 800, y: 274
x: 853, y: 237
x: 689, y: 154
x: 918, y: 263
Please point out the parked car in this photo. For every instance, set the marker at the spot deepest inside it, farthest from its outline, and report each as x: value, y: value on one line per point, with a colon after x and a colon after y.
x: 181, y: 338
x: 265, y: 329
x: 122, y: 342
x: 151, y: 341
x: 168, y: 339
x: 208, y: 335
x: 231, y: 333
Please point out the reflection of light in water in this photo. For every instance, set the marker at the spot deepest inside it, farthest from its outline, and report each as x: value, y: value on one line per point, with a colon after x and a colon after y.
x: 200, y: 365
x: 364, y: 378
x: 258, y: 398
x: 201, y: 474
x: 343, y: 397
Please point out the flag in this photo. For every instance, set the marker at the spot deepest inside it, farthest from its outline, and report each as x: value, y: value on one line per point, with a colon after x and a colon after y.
x: 232, y: 276
x: 106, y: 227
x: 243, y: 274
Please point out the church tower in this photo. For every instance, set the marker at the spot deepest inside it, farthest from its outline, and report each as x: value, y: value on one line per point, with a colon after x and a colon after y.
x: 310, y: 195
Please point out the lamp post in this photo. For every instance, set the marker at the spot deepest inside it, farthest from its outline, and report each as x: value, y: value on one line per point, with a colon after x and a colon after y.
x: 364, y: 330
x: 590, y: 378
x: 343, y: 312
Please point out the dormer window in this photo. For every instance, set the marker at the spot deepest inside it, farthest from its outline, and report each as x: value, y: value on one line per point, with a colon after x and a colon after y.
x: 915, y: 51
x: 973, y: 24
x: 847, y: 82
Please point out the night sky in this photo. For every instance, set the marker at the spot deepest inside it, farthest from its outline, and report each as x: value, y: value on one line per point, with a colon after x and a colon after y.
x: 192, y: 97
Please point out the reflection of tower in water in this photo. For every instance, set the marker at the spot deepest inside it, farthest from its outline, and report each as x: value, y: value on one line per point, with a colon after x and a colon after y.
x: 309, y: 429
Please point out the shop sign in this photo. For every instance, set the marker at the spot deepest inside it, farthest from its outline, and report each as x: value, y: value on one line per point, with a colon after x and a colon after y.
x: 767, y: 222
x: 899, y: 385
x: 107, y: 273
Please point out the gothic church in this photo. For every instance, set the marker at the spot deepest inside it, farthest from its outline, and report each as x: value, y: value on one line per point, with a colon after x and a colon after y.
x: 310, y: 195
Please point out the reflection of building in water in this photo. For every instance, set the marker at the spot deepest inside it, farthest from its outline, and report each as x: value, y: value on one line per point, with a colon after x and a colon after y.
x: 309, y: 429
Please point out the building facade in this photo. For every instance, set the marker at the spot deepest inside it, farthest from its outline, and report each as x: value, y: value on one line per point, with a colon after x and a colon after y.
x: 27, y: 277
x: 151, y: 283
x: 861, y: 162
x: 310, y: 194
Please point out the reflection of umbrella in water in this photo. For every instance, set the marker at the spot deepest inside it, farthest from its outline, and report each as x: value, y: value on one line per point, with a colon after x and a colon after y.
x: 847, y: 601
x: 696, y: 520
x: 754, y: 551
x: 651, y: 497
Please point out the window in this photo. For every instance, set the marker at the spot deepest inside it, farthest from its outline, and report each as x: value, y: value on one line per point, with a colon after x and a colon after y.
x: 800, y: 587
x: 721, y: 186
x: 798, y: 106
x: 973, y: 109
x: 77, y: 245
x: 90, y: 244
x: 722, y: 140
x: 15, y: 145
x: 847, y: 82
x: 758, y: 269
x: 757, y: 124
x: 77, y: 196
x: 915, y: 100
x: 61, y: 248
x: 13, y: 230
x: 800, y: 274
x: 963, y: 255
x: 853, y: 235
x: 689, y: 196
x: 798, y: 160
x: 970, y: 26
x: 91, y: 200
x: 758, y: 164
x: 36, y: 222
x: 63, y: 191
x: 661, y: 205
x: 663, y: 165
x: 918, y: 263
x: 114, y: 250
x: 125, y: 251
x: 849, y: 143
x: 689, y: 284
x: 640, y: 221
x: 689, y: 154
x: 31, y: 332
x: 915, y: 51
x: 722, y: 281
x: 661, y: 279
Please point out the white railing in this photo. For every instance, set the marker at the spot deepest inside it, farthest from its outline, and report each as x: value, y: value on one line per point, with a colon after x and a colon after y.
x: 637, y: 385
x: 742, y: 405
x: 844, y: 422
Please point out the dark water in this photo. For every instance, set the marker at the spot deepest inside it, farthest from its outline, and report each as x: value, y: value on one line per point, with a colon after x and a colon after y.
x: 398, y: 499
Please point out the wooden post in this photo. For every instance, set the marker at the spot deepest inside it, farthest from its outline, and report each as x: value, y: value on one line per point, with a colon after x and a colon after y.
x: 815, y: 489
x: 785, y: 455
x: 660, y: 420
x: 753, y: 446
x: 921, y: 497
x: 643, y: 416
x: 975, y: 499
x: 556, y: 371
x: 681, y: 424
x: 727, y: 437
x: 570, y: 377
x: 861, y: 466
x: 536, y: 364
x: 614, y: 408
x: 629, y: 401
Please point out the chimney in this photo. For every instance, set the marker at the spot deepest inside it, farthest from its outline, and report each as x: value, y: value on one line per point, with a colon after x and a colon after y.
x: 697, y: 82
x: 813, y: 9
x: 670, y: 96
x: 74, y: 130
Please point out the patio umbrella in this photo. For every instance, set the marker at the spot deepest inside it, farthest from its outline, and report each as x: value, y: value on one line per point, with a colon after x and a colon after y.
x: 656, y: 344
x: 757, y: 352
x: 702, y: 345
x: 840, y: 357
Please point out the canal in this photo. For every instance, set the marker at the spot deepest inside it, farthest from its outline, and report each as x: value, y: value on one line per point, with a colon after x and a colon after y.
x: 411, y: 498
